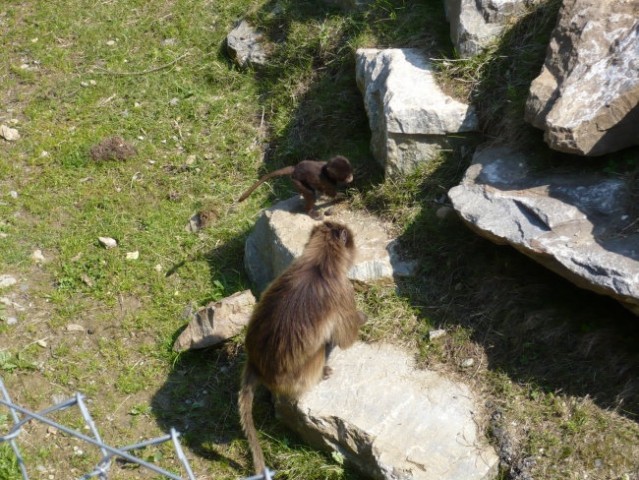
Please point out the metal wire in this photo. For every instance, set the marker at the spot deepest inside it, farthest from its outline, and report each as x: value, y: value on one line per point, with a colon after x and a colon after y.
x: 101, y: 470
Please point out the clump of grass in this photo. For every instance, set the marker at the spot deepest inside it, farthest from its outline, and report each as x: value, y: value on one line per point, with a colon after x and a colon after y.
x: 8, y: 462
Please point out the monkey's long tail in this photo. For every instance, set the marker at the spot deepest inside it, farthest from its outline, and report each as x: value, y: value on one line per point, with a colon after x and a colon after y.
x: 245, y: 404
x: 276, y: 173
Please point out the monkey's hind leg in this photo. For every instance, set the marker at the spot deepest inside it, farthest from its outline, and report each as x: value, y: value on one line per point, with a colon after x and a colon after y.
x: 309, y: 199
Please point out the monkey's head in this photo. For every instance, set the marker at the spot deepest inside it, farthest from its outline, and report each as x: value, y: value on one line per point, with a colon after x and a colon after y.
x: 339, y: 170
x: 336, y: 239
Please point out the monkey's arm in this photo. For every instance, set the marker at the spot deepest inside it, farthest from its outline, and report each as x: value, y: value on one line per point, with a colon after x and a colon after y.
x: 346, y: 328
x: 276, y: 173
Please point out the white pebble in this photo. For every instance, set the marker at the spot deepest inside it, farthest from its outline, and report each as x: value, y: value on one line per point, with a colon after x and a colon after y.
x: 7, y: 281
x: 9, y: 134
x: 433, y: 334
x: 132, y: 255
x: 469, y: 362
x: 108, y: 242
x: 37, y: 256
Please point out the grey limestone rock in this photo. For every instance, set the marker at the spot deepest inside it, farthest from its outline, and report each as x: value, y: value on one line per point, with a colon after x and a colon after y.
x: 578, y: 225
x: 216, y: 322
x: 586, y: 98
x: 246, y: 45
x: 409, y: 115
x: 281, y: 232
x: 393, y: 421
x: 474, y: 24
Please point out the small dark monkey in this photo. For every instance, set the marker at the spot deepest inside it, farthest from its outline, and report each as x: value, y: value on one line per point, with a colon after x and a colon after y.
x: 311, y: 177
x: 304, y: 312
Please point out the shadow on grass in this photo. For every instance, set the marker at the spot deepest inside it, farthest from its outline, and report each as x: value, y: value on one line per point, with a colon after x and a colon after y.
x: 312, y: 104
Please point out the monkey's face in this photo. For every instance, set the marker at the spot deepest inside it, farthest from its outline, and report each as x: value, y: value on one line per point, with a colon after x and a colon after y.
x: 340, y: 170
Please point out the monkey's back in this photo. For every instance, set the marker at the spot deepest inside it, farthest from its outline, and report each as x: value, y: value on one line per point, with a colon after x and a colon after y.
x: 290, y: 326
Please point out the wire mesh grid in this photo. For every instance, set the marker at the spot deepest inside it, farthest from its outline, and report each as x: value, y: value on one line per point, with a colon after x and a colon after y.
x: 101, y: 470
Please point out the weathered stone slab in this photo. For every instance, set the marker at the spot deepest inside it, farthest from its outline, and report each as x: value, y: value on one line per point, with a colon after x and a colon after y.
x: 578, y: 225
x: 474, y: 24
x: 246, y: 45
x: 281, y: 232
x: 409, y: 115
x: 216, y: 322
x: 393, y: 421
x: 586, y: 98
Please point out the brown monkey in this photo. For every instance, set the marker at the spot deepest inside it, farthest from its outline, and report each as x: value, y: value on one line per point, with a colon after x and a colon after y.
x: 311, y: 177
x: 303, y: 313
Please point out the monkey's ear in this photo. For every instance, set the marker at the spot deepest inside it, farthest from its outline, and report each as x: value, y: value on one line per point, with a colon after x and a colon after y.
x: 343, y: 236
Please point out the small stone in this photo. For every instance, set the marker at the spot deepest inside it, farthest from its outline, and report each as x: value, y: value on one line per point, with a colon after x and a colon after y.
x: 132, y: 255
x: 84, y: 84
x: 174, y: 101
x: 86, y: 280
x: 44, y: 154
x: 110, y: 43
x: 37, y: 256
x: 433, y: 334
x: 42, y: 343
x: 190, y: 160
x: 444, y: 212
x: 13, y: 194
x: 74, y: 327
x: 158, y: 268
x: 7, y: 281
x: 57, y: 398
x: 12, y: 320
x: 469, y: 362
x: 108, y: 242
x: 9, y: 134
x: 93, y: 83
x: 3, y: 235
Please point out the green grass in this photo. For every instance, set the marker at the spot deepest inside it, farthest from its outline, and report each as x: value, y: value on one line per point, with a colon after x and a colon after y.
x: 559, y: 364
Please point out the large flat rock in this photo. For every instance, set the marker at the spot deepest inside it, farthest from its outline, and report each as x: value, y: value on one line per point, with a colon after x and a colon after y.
x: 393, y: 421
x: 579, y: 225
x: 281, y: 232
